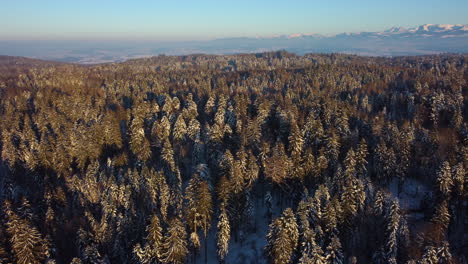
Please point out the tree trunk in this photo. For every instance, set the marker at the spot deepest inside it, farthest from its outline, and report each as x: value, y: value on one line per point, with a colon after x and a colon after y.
x: 206, y: 249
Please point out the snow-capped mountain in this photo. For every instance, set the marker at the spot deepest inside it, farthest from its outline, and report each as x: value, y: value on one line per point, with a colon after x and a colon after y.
x: 423, y: 39
x: 441, y: 30
x: 426, y: 29
x: 396, y: 30
x: 396, y: 41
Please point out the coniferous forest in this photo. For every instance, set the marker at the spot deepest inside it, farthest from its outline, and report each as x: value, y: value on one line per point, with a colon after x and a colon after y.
x: 256, y: 158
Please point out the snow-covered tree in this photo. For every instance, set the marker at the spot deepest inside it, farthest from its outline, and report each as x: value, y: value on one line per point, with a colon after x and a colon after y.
x: 334, y: 254
x: 282, y: 238
x: 175, y: 243
x: 223, y: 235
x: 393, y: 222
x: 444, y: 179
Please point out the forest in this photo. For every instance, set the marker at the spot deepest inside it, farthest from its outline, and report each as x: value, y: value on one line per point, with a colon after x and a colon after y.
x: 250, y: 158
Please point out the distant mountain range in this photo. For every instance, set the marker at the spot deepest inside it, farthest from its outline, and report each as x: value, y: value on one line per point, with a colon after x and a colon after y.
x: 424, y: 39
x: 396, y: 41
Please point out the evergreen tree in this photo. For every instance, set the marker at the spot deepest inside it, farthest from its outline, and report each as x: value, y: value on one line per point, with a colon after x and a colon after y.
x: 429, y: 256
x: 223, y: 235
x: 334, y: 254
x: 350, y: 165
x: 175, y: 243
x: 442, y: 215
x: 393, y: 221
x: 155, y: 237
x: 282, y: 238
x: 384, y: 162
x: 26, y: 242
x: 138, y: 142
x: 353, y: 197
x: 444, y: 179
x: 443, y: 254
x: 378, y: 203
x: 459, y: 179
x: 278, y: 165
x: 180, y: 129
x: 199, y: 207
x: 361, y: 158
x: 333, y: 149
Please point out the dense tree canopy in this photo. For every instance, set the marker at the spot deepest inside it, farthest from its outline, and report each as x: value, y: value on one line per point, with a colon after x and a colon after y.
x: 329, y: 158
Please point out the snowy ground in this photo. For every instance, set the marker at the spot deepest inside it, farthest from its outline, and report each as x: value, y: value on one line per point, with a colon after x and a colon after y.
x: 248, y: 250
x: 410, y: 198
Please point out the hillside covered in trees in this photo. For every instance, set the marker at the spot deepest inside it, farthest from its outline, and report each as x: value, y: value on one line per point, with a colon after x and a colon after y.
x: 259, y: 158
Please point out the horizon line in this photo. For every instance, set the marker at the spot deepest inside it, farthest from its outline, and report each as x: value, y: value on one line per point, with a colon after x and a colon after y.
x: 169, y: 39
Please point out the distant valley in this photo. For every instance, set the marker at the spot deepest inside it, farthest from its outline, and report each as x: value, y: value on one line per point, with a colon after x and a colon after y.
x: 397, y: 41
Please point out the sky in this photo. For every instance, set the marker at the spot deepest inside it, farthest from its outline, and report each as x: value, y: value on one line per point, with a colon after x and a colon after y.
x: 209, y: 19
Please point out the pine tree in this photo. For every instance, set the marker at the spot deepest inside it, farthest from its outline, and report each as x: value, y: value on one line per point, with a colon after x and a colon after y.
x: 330, y: 216
x: 309, y: 167
x: 191, y: 196
x: 296, y: 142
x: 155, y: 237
x: 384, y: 162
x: 199, y: 206
x: 350, y: 165
x: 443, y: 254
x: 283, y: 238
x: 210, y: 104
x: 442, y: 215
x: 252, y: 170
x: 26, y: 242
x: 429, y: 256
x: 223, y: 235
x: 322, y: 163
x: 444, y: 179
x: 278, y: 165
x: 139, y: 144
x: 353, y: 197
x: 378, y: 203
x: 167, y: 154
x: 460, y: 178
x: 175, y: 244
x: 167, y: 107
x: 311, y: 252
x: 237, y: 179
x: 361, y: 158
x: 393, y: 221
x: 180, y: 129
x: 204, y: 206
x: 142, y: 255
x: 334, y: 254
x: 404, y: 240
x: 219, y: 115
x: 223, y: 190
x: 193, y: 129
x: 333, y: 149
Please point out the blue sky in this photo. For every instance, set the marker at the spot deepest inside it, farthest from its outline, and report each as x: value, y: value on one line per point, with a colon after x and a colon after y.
x: 193, y: 20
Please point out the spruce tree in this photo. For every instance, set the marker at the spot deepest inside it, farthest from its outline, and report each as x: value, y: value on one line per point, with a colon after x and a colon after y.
x: 283, y: 238
x: 155, y: 237
x: 223, y: 235
x: 26, y: 242
x: 334, y: 254
x: 175, y: 243
x: 393, y: 222
x: 444, y: 179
